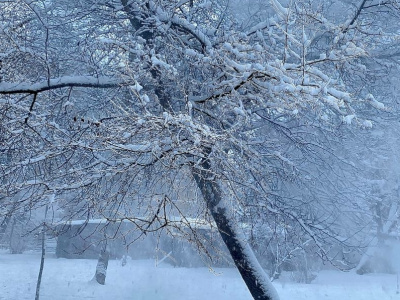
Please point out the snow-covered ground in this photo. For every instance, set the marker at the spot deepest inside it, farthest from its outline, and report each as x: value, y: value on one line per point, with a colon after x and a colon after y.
x: 143, y: 280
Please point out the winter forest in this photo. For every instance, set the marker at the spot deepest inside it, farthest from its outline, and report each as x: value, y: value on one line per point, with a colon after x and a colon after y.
x: 199, y: 149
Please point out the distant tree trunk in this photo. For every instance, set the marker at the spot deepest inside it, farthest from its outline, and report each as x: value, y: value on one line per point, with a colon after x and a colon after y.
x: 4, y: 225
x: 16, y: 240
x: 384, y: 227
x: 11, y: 245
x: 39, y: 280
x: 102, y: 264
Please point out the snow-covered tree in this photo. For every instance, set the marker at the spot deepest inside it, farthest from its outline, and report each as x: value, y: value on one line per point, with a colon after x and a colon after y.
x: 111, y: 105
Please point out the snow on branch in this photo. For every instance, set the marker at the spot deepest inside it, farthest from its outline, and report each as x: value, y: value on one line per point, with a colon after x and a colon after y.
x: 186, y: 26
x: 60, y: 82
x: 260, y: 26
x: 279, y: 9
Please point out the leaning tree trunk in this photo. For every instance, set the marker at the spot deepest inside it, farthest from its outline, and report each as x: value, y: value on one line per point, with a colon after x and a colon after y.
x: 102, y: 264
x: 249, y: 268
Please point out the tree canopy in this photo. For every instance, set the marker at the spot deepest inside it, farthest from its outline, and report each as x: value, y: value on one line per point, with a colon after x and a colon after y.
x: 230, y: 111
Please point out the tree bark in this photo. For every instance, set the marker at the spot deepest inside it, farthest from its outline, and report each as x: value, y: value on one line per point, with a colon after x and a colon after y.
x: 39, y: 280
x: 102, y: 264
x: 252, y: 273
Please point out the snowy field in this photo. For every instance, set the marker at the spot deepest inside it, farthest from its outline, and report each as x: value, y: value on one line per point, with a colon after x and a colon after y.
x: 142, y: 280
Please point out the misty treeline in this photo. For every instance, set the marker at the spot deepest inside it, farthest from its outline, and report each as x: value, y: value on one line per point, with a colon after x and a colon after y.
x: 275, y: 121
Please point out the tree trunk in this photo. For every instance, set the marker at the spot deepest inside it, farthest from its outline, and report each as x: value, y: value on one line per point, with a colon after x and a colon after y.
x: 102, y: 264
x: 11, y: 242
x: 364, y: 265
x: 4, y: 225
x: 252, y: 273
x: 39, y: 280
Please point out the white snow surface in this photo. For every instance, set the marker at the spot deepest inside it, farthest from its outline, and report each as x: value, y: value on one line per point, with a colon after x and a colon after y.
x: 141, y: 280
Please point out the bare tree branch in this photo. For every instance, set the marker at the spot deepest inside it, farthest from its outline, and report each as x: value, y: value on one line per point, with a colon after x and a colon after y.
x: 352, y: 21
